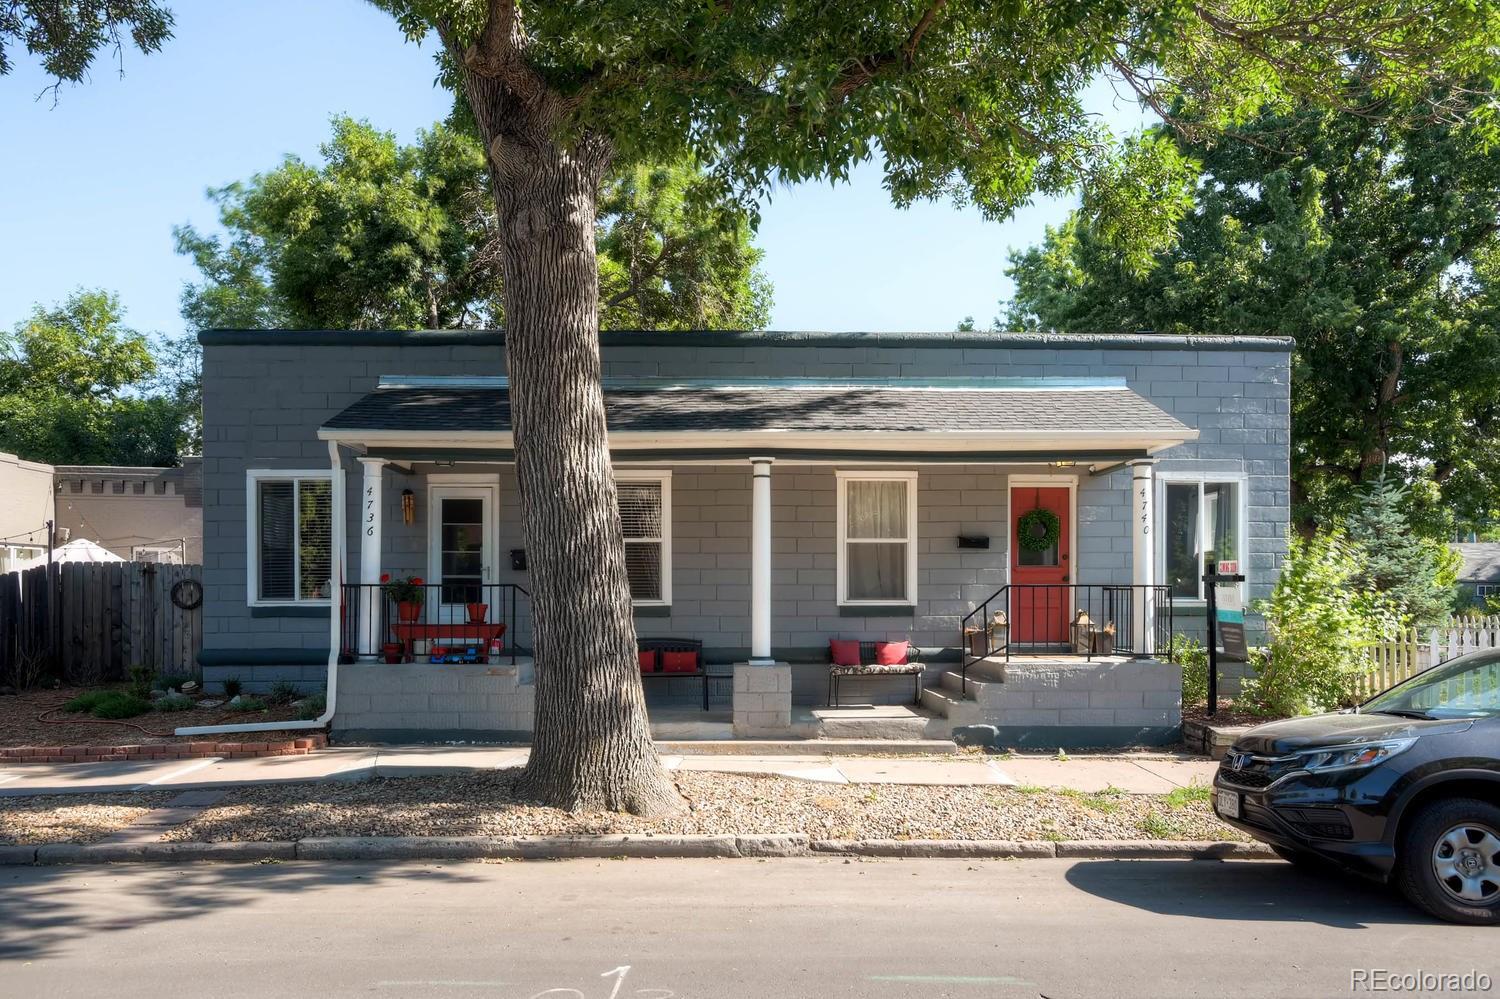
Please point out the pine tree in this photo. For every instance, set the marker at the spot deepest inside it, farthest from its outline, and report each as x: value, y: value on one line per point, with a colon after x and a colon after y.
x: 1408, y: 568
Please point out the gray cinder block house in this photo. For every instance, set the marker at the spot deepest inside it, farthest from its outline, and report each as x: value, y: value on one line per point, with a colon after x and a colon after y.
x: 969, y: 493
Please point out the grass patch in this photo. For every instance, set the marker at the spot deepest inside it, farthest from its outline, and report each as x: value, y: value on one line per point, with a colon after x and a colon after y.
x: 172, y: 702
x: 1184, y: 797
x: 87, y: 701
x: 1028, y: 789
x: 282, y: 693
x: 1106, y: 802
x: 109, y: 704
x: 121, y: 705
x: 247, y: 703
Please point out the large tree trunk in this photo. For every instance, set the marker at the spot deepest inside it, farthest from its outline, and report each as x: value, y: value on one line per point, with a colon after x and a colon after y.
x: 591, y: 748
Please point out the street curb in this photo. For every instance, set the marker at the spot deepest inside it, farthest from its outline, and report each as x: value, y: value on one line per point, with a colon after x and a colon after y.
x: 617, y: 846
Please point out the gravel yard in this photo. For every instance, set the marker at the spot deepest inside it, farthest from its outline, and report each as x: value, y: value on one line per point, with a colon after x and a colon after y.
x: 484, y: 804
x: 73, y: 818
x: 33, y: 719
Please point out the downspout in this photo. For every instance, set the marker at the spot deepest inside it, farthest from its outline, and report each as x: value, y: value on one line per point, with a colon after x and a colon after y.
x: 338, y: 547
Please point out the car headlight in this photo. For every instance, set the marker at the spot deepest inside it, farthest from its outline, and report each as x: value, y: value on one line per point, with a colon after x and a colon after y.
x: 1366, y: 754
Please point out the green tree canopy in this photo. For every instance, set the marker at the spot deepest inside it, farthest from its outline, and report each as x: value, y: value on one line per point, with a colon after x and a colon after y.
x: 384, y: 235
x: 1417, y: 574
x: 66, y: 34
x: 76, y: 388
x: 1373, y: 243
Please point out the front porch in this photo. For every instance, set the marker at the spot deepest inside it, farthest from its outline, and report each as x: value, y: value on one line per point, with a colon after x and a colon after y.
x: 749, y: 563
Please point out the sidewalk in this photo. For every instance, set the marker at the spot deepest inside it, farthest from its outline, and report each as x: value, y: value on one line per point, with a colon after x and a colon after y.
x: 1133, y: 773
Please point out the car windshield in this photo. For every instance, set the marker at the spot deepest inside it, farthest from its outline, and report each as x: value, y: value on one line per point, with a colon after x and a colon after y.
x: 1467, y: 687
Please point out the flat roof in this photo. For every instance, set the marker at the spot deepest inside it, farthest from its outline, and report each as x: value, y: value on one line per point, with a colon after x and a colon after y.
x: 746, y: 338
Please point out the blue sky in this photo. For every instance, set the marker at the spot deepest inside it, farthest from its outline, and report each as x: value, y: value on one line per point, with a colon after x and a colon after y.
x: 94, y: 184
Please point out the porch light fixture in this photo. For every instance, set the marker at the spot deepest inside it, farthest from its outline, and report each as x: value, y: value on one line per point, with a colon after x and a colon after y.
x: 1063, y: 464
x: 408, y: 506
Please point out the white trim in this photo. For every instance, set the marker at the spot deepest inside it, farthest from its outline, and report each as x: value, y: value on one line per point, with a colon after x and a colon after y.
x: 664, y: 478
x: 1242, y: 486
x: 1056, y: 480
x: 843, y: 477
x: 253, y: 478
x: 1041, y: 441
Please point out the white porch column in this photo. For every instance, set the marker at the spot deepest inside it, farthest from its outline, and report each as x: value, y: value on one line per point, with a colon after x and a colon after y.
x: 370, y: 509
x: 1143, y: 553
x: 760, y: 561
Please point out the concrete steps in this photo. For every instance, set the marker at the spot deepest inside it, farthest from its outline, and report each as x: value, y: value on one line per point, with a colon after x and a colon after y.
x: 881, y: 721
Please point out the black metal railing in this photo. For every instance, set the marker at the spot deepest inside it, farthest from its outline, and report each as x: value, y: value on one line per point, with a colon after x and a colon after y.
x: 1065, y: 619
x: 443, y: 622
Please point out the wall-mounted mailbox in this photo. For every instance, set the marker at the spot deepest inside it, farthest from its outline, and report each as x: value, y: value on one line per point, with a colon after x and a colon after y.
x: 973, y: 541
x: 518, y: 559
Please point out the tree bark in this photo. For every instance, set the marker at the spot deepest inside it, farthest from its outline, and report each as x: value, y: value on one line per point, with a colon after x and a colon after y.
x: 591, y: 745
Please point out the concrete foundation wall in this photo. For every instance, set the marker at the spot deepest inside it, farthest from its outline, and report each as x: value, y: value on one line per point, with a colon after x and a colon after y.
x: 423, y: 702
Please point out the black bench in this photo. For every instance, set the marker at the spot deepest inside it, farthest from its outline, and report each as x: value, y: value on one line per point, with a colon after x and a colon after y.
x: 869, y: 668
x: 659, y: 645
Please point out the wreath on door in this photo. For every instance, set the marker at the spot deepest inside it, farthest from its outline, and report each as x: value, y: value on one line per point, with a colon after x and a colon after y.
x: 1038, y: 530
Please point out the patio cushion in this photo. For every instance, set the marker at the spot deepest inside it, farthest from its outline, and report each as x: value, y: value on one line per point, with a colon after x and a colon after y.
x: 648, y: 661
x: 876, y: 669
x: 844, y: 652
x: 891, y: 653
x: 679, y: 662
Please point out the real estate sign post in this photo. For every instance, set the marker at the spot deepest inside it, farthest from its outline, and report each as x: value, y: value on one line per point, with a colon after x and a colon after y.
x: 1226, y: 624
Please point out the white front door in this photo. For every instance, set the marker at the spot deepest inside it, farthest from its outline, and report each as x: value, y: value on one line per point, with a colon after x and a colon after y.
x: 460, y: 547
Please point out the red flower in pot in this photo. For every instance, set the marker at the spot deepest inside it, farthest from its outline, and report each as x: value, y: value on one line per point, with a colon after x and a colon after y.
x: 406, y: 593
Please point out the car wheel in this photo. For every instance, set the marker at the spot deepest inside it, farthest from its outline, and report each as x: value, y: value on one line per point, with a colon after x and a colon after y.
x: 1450, y: 861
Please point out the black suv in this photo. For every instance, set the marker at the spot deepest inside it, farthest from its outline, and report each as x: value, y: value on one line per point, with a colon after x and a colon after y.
x: 1404, y: 788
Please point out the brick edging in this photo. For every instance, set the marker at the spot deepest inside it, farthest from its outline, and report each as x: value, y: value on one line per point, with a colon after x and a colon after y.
x: 300, y: 746
x: 401, y: 848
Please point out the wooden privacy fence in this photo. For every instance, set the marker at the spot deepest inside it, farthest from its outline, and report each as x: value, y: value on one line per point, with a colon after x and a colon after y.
x: 97, y: 620
x: 1415, y: 651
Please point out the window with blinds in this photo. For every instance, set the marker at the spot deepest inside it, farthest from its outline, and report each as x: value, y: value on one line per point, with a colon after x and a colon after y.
x: 645, y: 516
x: 293, y: 524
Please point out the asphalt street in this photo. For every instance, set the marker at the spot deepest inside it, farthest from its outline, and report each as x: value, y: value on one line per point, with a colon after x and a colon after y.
x: 703, y: 928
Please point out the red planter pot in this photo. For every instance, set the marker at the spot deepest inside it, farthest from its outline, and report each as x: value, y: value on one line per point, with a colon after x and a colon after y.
x: 478, y: 612
x: 408, y: 611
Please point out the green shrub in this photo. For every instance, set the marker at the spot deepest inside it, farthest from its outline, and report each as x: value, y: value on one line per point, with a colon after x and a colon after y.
x: 312, y: 707
x: 232, y: 687
x: 1321, y: 623
x: 282, y: 694
x: 173, y: 681
x: 1192, y: 656
x: 172, y: 702
x: 248, y: 703
x: 86, y: 701
x: 121, y: 705
x: 141, y: 680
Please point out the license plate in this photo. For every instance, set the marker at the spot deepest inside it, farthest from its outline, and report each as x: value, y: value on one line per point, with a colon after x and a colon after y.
x: 1227, y: 804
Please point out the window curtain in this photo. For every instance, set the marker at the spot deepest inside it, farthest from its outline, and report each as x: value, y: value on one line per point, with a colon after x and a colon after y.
x: 876, y: 528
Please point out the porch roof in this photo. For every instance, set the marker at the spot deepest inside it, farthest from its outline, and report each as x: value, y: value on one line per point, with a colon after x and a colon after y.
x: 1035, y: 415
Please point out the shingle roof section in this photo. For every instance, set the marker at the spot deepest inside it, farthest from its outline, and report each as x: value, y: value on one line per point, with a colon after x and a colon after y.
x: 749, y: 409
x: 1481, y: 561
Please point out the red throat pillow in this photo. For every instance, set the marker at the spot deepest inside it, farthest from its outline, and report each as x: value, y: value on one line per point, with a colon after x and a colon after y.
x: 845, y: 652
x: 679, y: 662
x: 648, y: 661
x: 891, y: 653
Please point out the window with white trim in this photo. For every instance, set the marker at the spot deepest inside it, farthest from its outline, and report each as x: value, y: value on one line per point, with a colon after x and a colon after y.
x: 13, y: 556
x: 290, y: 555
x: 877, y: 529
x: 645, y: 502
x: 1200, y: 524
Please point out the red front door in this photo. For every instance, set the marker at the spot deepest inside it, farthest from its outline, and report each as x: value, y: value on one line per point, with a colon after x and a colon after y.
x: 1039, y: 604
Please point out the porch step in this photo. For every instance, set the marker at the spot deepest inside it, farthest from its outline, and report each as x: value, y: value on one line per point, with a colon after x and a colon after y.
x: 949, y: 705
x: 952, y: 680
x: 990, y: 668
x: 881, y: 721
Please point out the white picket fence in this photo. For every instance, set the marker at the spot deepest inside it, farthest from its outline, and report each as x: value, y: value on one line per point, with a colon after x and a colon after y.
x: 1414, y: 651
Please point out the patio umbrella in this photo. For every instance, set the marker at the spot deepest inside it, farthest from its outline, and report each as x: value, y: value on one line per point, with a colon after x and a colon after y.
x: 77, y: 550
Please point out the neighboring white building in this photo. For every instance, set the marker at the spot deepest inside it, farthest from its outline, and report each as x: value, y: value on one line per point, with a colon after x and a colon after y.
x: 26, y: 504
